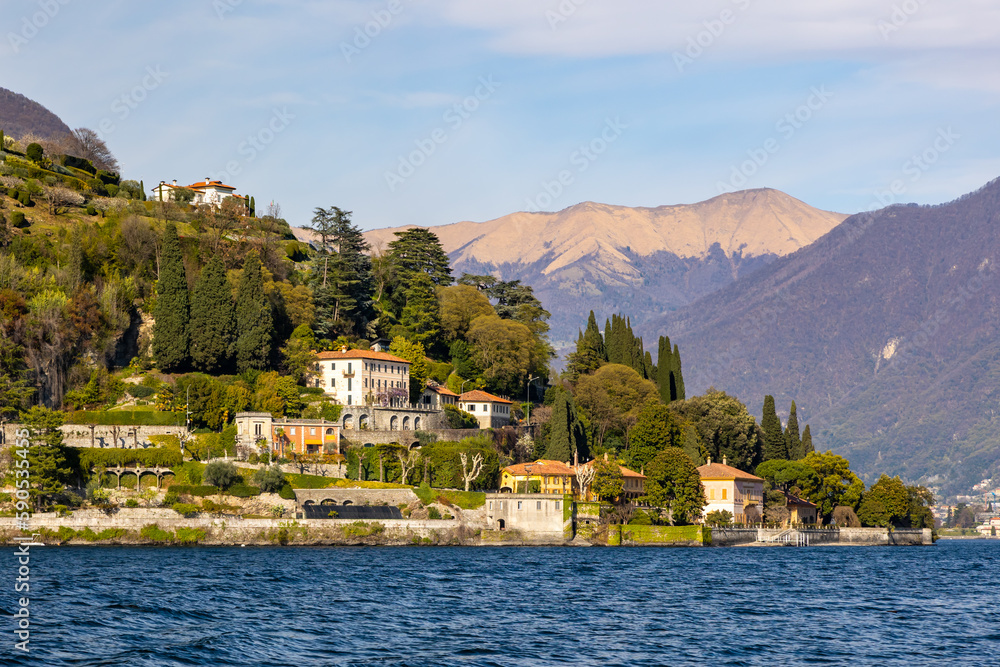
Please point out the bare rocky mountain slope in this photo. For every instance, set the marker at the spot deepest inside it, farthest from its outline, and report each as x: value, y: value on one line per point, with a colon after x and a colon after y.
x: 20, y: 116
x: 640, y: 261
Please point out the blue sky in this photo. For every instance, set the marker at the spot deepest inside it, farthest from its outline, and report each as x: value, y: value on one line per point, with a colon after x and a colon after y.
x: 632, y: 102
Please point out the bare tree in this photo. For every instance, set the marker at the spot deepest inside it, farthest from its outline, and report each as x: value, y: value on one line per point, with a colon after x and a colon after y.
x: 116, y: 431
x: 92, y: 147
x: 585, y: 477
x: 470, y: 475
x: 58, y: 197
x: 407, y: 461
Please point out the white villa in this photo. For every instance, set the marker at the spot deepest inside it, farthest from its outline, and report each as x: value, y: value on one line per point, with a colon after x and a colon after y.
x: 207, y: 192
x: 491, y: 411
x: 364, y: 377
x: 730, y: 489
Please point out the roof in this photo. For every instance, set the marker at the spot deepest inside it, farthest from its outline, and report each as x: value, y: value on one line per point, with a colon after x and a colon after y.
x: 723, y: 471
x: 541, y: 467
x: 439, y: 389
x: 625, y: 471
x: 795, y: 500
x: 482, y: 396
x: 362, y: 354
x: 210, y: 184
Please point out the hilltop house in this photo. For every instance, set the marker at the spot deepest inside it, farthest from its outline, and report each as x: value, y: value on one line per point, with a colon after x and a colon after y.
x: 364, y: 377
x: 207, y: 192
x: 436, y: 396
x: 732, y: 490
x: 489, y: 410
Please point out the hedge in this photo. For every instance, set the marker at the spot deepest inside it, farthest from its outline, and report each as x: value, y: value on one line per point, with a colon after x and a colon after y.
x: 243, y: 491
x: 123, y: 418
x: 286, y: 492
x: 199, y: 491
x: 90, y: 457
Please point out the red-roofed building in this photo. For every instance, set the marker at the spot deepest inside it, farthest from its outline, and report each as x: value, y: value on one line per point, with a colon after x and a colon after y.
x: 207, y: 192
x: 733, y: 490
x: 491, y: 411
x: 556, y: 477
x: 436, y: 396
x: 364, y: 377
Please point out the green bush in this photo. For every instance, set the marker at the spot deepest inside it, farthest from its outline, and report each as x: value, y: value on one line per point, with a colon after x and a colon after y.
x: 5, y: 497
x: 123, y: 418
x: 24, y: 198
x: 18, y: 220
x: 156, y: 534
x: 459, y: 418
x: 131, y: 502
x: 34, y: 152
x: 171, y: 498
x: 88, y: 458
x: 286, y: 492
x: 222, y: 474
x: 186, y: 509
x: 112, y: 189
x: 189, y: 535
x: 91, y: 210
x: 433, y: 513
x: 270, y: 479
x: 139, y: 391
x: 78, y: 163
x: 200, y: 491
x: 243, y: 491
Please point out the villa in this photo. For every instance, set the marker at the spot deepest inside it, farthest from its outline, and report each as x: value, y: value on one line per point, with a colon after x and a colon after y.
x: 207, y: 192
x: 489, y: 410
x: 732, y: 490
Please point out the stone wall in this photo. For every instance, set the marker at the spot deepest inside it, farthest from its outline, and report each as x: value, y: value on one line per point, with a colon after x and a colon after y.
x: 367, y: 437
x: 83, y: 435
x: 727, y: 537
x: 659, y: 536
x: 356, y: 496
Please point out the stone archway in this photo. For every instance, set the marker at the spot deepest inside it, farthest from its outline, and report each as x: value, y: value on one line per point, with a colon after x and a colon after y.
x: 394, y: 423
x: 348, y: 422
x: 416, y: 423
x: 406, y: 423
x: 363, y: 422
x: 502, y: 524
x: 328, y: 502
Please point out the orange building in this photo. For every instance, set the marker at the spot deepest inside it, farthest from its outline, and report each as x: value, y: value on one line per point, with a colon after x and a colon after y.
x: 730, y: 489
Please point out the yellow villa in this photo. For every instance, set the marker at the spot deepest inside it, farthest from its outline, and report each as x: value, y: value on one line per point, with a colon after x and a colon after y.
x: 556, y: 477
x: 730, y: 489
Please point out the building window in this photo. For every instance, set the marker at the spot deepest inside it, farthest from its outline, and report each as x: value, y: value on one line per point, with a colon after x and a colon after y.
x: 557, y: 504
x: 312, y: 431
x: 711, y: 494
x: 518, y: 504
x: 349, y: 384
x: 491, y: 504
x: 293, y: 430
x: 538, y: 505
x: 333, y: 383
x: 724, y: 494
x: 472, y: 407
x: 349, y: 367
x: 256, y: 429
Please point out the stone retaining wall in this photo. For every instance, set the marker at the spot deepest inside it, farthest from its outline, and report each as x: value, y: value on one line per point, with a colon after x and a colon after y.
x: 82, y: 435
x: 356, y: 496
x: 727, y: 537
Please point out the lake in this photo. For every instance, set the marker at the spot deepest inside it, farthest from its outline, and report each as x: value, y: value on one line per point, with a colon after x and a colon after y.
x: 512, y: 606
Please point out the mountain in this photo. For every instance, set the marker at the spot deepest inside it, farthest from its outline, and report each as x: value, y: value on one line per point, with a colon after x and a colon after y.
x: 20, y: 115
x: 886, y: 333
x: 640, y: 261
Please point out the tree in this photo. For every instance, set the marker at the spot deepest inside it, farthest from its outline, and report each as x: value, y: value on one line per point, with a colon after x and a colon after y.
x: 609, y: 482
x: 674, y: 484
x: 419, y: 368
x: 254, y: 323
x: 420, y: 319
x: 470, y: 473
x: 213, y: 319
x: 341, y: 275
x: 34, y: 153
x: 585, y: 478
x: 807, y: 442
x: 91, y: 147
x: 59, y: 197
x: 407, y: 461
x: 719, y: 518
x: 887, y: 503
x: 590, y: 353
x: 613, y: 397
x: 792, y: 438
x: 787, y: 475
x: 170, y: 329
x: 504, y: 350
x: 835, y: 484
x: 14, y: 388
x: 299, y: 354
x: 921, y: 501
x: 775, y: 444
x: 845, y: 517
x: 459, y: 305
x: 668, y: 371
x: 567, y: 436
x: 46, y: 457
x: 417, y: 250
x: 654, y: 430
x: 270, y: 480
x: 724, y: 427
x: 222, y: 474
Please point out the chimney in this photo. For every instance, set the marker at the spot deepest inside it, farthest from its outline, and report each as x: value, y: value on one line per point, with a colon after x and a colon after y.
x: 343, y: 348
x: 724, y: 459
x: 709, y: 460
x: 175, y: 182
x: 208, y: 179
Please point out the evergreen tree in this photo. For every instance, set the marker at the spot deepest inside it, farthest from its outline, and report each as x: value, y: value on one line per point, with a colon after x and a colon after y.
x: 253, y: 208
x: 590, y: 353
x: 170, y: 330
x: 664, y: 370
x: 213, y: 319
x: 343, y: 286
x: 775, y: 446
x: 793, y: 441
x: 567, y: 436
x: 678, y: 375
x: 418, y: 250
x: 254, y: 322
x: 142, y: 191
x: 420, y: 320
x: 807, y: 442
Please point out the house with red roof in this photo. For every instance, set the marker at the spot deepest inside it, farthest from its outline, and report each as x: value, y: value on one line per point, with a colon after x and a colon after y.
x: 207, y: 192
x: 436, y: 396
x: 364, y: 377
x: 489, y: 410
x: 733, y: 490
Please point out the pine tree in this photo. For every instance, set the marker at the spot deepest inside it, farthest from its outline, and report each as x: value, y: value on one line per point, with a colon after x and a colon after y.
x: 342, y: 276
x: 419, y: 251
x: 590, y: 353
x: 170, y: 329
x: 213, y: 319
x: 807, y: 442
x: 792, y: 438
x: 775, y: 446
x: 254, y: 322
x: 421, y: 319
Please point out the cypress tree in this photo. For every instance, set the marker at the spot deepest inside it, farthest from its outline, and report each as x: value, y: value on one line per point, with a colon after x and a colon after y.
x: 170, y: 329
x: 254, y: 322
x: 775, y: 446
x: 213, y: 319
x: 253, y: 208
x: 792, y: 439
x: 807, y: 442
x: 142, y: 191
x: 664, y: 370
x: 567, y: 435
x: 590, y: 352
x: 678, y: 374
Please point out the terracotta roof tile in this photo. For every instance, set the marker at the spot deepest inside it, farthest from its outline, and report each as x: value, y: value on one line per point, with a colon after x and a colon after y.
x: 482, y: 397
x: 721, y: 471
x: 361, y: 354
x: 541, y: 467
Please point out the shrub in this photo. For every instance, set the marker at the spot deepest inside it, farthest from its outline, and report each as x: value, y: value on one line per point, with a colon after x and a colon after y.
x: 222, y: 474
x: 24, y: 198
x: 91, y: 210
x: 156, y: 534
x: 171, y: 499
x: 5, y: 497
x: 34, y: 152
x: 433, y: 513
x: 139, y: 391
x: 270, y: 479
x: 719, y: 518
x: 286, y: 492
x: 189, y: 535
x: 131, y: 502
x: 186, y: 509
x: 243, y: 491
x: 18, y: 220
x: 111, y: 189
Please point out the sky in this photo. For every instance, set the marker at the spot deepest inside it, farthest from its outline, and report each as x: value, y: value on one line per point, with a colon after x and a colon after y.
x: 430, y: 112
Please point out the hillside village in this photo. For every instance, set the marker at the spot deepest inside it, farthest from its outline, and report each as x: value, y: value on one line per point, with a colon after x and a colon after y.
x: 168, y: 345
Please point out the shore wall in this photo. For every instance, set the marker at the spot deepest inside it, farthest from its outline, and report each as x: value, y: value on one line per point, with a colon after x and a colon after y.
x: 669, y: 536
x: 728, y: 537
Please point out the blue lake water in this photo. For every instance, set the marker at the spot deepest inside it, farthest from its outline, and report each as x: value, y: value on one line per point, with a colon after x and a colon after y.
x: 511, y: 606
